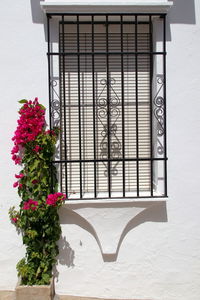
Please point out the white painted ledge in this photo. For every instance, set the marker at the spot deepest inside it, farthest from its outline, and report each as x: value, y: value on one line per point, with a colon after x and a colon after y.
x: 111, y: 6
x: 74, y: 203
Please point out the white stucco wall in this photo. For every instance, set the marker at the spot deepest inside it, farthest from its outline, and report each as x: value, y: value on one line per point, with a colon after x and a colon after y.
x: 23, y: 75
x: 159, y: 251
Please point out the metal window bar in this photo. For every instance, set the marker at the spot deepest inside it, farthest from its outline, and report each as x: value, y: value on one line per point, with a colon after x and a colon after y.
x: 49, y: 90
x: 62, y: 66
x: 79, y: 107
x: 122, y: 95
x: 165, y: 117
x: 108, y: 106
x: 151, y: 106
x: 135, y: 55
x: 94, y: 113
x: 136, y: 99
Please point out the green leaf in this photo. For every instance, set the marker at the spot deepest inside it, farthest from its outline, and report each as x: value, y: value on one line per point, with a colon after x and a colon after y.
x: 38, y: 271
x: 42, y: 106
x: 34, y: 165
x: 23, y: 101
x: 46, y: 278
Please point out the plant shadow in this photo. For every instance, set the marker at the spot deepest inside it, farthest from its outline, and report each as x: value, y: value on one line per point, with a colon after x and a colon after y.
x: 66, y: 256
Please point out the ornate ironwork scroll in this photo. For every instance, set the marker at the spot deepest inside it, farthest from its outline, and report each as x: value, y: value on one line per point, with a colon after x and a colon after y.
x: 114, y: 111
x: 159, y: 114
x: 55, y: 104
x: 55, y: 111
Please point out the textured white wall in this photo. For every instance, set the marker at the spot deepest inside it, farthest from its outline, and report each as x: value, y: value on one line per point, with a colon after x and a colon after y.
x: 158, y: 257
x: 23, y: 75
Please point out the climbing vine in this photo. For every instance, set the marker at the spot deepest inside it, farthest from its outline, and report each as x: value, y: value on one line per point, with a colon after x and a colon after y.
x: 37, y: 216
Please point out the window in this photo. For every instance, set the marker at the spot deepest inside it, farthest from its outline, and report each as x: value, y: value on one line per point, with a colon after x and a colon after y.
x: 107, y: 94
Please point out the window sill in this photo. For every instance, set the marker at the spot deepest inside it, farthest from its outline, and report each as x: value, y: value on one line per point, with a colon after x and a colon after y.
x: 111, y: 6
x: 116, y: 197
x: 116, y: 200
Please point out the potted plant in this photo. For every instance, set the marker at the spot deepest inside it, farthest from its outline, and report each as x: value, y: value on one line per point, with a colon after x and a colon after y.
x: 37, y: 216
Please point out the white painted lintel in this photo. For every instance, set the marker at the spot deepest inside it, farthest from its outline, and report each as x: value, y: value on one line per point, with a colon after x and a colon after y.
x: 93, y: 6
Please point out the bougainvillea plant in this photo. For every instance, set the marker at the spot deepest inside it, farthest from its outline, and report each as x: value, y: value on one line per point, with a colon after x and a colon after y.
x: 37, y: 217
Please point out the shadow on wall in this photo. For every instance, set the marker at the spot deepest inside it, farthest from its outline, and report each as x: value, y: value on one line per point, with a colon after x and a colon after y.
x: 182, y: 12
x: 66, y: 253
x: 65, y: 258
x: 37, y: 13
x: 151, y: 211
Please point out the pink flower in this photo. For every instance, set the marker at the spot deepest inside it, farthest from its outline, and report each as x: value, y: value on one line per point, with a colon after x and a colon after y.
x: 21, y: 175
x: 30, y: 204
x: 15, y: 184
x: 37, y: 148
x: 15, y: 220
x: 26, y: 206
x: 16, y: 159
x: 20, y: 185
x: 63, y: 196
x: 52, y: 199
x: 34, y: 181
x: 15, y: 149
x: 52, y: 132
x: 30, y: 124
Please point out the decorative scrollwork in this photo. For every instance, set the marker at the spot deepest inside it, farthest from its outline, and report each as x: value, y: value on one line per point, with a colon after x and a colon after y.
x: 160, y: 147
x: 102, y: 113
x: 55, y: 104
x: 159, y: 114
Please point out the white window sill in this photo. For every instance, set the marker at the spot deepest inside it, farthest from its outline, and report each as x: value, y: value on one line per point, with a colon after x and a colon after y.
x: 111, y: 6
x: 144, y: 197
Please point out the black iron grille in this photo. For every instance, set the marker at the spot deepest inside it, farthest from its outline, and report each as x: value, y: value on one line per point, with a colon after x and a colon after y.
x: 108, y: 96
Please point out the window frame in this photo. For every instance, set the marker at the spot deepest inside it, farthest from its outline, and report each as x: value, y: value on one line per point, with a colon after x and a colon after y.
x: 158, y: 111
